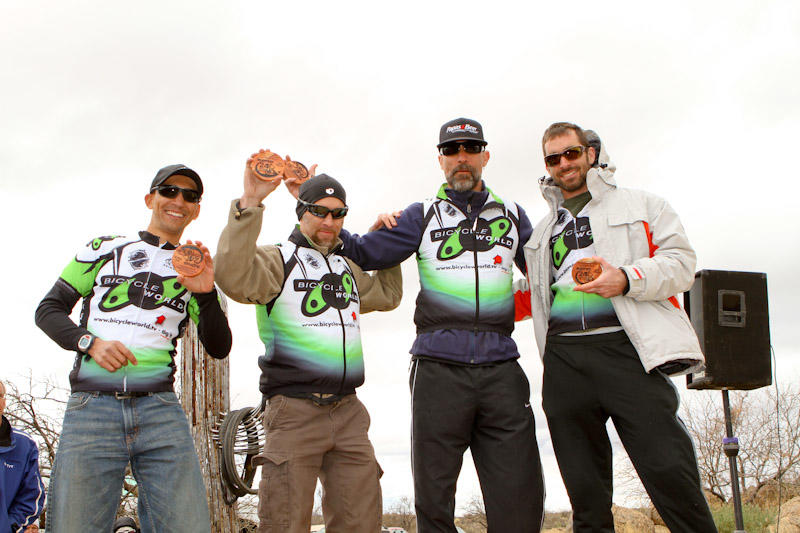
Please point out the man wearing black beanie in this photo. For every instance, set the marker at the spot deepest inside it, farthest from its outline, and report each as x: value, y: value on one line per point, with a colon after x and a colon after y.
x: 308, y: 302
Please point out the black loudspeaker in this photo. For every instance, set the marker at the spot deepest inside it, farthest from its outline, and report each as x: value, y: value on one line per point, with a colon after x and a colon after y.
x: 729, y: 313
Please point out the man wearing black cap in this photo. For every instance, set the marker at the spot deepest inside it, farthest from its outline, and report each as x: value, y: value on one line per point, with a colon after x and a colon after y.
x: 308, y: 300
x: 122, y: 408
x: 467, y: 389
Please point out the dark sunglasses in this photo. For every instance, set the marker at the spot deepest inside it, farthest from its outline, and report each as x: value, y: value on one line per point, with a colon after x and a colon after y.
x: 453, y: 149
x: 171, y: 191
x: 321, y: 211
x: 570, y: 153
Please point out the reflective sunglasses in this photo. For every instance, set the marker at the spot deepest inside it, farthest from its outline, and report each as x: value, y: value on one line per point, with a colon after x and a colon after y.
x: 171, y: 191
x: 470, y: 148
x: 321, y: 211
x: 570, y: 153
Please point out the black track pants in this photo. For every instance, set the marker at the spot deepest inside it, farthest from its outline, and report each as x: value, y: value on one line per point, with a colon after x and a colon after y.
x: 485, y: 408
x: 586, y: 381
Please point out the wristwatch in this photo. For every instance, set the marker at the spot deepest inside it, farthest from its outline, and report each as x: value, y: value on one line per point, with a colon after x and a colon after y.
x: 86, y: 342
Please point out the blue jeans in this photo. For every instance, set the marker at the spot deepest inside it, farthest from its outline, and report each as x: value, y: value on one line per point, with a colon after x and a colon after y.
x: 100, y: 436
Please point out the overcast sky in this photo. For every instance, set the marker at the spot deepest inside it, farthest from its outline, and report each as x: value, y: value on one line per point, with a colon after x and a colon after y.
x: 693, y: 100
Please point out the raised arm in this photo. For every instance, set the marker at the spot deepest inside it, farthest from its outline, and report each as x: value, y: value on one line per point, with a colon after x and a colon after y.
x: 245, y: 272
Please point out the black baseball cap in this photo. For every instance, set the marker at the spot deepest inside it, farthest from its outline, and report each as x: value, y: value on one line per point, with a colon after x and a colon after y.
x: 461, y: 129
x: 171, y: 170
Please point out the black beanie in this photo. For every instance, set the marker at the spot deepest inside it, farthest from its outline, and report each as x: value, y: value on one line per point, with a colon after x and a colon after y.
x: 124, y: 523
x: 316, y: 188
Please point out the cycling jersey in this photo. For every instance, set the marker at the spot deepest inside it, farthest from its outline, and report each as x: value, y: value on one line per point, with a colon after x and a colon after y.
x: 130, y: 294
x: 465, y: 266
x: 464, y: 313
x: 312, y: 331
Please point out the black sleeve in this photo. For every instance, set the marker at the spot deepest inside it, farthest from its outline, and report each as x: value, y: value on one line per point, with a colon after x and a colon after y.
x: 525, y: 232
x: 212, y: 327
x: 52, y: 316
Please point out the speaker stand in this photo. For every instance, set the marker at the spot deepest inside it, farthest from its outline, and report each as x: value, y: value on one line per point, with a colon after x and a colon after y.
x: 730, y: 445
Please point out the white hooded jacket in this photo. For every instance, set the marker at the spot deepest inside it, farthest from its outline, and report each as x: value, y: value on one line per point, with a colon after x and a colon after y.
x: 640, y: 233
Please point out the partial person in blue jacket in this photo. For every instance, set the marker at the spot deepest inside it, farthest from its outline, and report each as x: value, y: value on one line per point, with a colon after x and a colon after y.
x: 21, y: 487
x: 467, y: 389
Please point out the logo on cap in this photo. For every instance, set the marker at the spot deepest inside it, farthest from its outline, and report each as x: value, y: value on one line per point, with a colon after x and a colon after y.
x: 462, y: 127
x: 329, y: 190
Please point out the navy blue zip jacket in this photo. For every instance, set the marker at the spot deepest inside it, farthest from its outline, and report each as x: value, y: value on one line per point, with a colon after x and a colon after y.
x: 385, y: 248
x: 21, y: 487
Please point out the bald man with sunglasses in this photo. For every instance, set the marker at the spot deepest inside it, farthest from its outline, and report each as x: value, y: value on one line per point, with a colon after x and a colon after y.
x: 608, y: 344
x: 308, y: 302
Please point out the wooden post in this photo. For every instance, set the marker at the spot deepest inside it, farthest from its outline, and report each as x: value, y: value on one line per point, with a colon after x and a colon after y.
x: 205, y: 396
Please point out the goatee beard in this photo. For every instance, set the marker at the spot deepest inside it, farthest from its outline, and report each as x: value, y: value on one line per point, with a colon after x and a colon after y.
x: 463, y: 184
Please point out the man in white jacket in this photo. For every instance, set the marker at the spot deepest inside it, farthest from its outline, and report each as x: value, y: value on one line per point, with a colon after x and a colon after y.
x: 609, y: 344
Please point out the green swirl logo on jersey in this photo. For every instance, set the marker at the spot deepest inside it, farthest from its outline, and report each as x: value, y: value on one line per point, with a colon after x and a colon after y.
x: 575, y: 235
x: 484, y: 236
x: 560, y: 251
x: 333, y: 290
x: 98, y: 242
x: 145, y: 290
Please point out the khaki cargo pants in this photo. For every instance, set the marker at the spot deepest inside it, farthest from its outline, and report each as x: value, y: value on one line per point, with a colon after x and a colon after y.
x: 306, y: 441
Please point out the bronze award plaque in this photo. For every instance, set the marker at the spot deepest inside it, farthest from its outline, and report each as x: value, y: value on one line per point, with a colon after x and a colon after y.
x: 268, y: 166
x: 297, y: 170
x: 586, y: 270
x: 188, y: 260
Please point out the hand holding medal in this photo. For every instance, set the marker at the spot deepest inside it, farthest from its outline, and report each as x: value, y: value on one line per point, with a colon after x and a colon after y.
x: 595, y: 275
x: 269, y: 166
x: 586, y: 270
x: 188, y: 260
x: 192, y: 261
x: 264, y: 172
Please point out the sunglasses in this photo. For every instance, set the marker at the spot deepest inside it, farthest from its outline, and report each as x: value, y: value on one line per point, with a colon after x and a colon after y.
x: 570, y: 153
x: 454, y: 148
x: 171, y: 191
x: 321, y: 211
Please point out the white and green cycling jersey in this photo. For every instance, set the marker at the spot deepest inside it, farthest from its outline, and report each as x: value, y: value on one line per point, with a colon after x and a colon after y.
x: 130, y: 294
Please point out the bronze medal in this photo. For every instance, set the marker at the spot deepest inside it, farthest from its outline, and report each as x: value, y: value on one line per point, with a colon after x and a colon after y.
x: 268, y: 166
x: 297, y: 170
x: 188, y: 260
x: 586, y: 270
